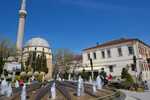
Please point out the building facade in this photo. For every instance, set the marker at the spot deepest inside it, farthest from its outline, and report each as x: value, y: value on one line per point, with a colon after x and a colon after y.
x: 117, y: 54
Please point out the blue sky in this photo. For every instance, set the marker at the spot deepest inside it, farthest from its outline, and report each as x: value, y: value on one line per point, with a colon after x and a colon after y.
x: 77, y: 24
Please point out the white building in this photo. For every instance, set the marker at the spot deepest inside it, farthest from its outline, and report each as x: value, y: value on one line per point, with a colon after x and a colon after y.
x: 40, y: 46
x: 117, y: 54
x: 11, y: 65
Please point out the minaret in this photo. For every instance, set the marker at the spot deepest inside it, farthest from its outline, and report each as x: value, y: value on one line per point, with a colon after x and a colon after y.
x: 21, y: 26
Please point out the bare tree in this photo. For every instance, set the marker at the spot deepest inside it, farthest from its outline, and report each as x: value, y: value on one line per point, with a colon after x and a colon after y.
x: 62, y: 59
x: 6, y: 49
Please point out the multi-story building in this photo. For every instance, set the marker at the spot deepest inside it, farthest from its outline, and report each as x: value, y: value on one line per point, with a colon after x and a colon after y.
x: 117, y: 54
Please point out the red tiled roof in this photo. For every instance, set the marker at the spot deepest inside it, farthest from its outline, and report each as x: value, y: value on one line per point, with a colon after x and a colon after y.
x: 113, y: 42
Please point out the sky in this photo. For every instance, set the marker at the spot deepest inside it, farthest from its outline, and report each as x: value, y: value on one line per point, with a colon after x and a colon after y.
x: 77, y: 24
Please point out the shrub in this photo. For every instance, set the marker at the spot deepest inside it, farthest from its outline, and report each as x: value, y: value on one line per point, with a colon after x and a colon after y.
x: 40, y: 77
x: 23, y: 75
x: 84, y: 75
x: 140, y: 90
x: 29, y: 74
x: 18, y: 77
x: 129, y: 82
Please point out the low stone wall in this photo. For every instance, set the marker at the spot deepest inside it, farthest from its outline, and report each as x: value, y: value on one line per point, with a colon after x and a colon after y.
x: 117, y: 95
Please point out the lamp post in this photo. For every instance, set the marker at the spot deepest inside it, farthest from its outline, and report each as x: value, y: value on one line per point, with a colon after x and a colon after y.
x: 135, y: 68
x: 91, y: 63
x: 14, y: 74
x: 74, y: 72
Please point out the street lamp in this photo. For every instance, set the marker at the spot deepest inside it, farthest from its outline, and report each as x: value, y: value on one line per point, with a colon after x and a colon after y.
x: 91, y: 63
x: 135, y: 68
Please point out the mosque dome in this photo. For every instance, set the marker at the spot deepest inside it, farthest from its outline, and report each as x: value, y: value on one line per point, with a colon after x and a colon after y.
x: 11, y: 58
x: 37, y: 42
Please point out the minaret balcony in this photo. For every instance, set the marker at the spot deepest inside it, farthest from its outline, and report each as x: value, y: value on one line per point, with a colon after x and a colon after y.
x: 22, y: 12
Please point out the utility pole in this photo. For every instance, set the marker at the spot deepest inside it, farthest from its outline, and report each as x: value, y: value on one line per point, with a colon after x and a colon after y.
x: 91, y: 63
x: 135, y: 68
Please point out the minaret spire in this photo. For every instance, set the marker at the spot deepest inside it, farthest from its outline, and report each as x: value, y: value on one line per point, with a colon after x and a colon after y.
x: 23, y: 5
x: 21, y: 27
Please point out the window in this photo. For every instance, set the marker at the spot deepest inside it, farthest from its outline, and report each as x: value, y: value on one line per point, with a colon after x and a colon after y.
x: 88, y: 55
x: 119, y: 51
x: 94, y: 55
x: 111, y: 69
x: 108, y: 53
x: 103, y: 54
x: 131, y: 50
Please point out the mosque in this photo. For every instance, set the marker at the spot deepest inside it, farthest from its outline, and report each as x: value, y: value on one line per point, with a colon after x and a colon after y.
x: 40, y: 46
x: 37, y: 44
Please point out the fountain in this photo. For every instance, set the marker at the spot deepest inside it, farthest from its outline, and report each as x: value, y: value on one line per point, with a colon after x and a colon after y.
x: 53, y: 91
x: 9, y: 90
x: 94, y: 87
x: 23, y: 92
x: 90, y: 80
x: 4, y: 87
x: 99, y: 82
x: 32, y: 78
x: 28, y: 83
x: 80, y: 89
x: 17, y: 84
x: 69, y: 77
x: 57, y: 77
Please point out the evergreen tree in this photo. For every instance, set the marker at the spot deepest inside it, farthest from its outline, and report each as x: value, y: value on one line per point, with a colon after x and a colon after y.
x: 37, y: 62
x: 128, y: 78
x: 27, y: 63
x: 44, y: 63
x: 33, y: 65
x: 124, y: 73
x: 84, y: 75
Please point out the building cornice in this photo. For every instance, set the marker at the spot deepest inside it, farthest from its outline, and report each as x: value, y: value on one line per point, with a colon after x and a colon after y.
x: 115, y: 42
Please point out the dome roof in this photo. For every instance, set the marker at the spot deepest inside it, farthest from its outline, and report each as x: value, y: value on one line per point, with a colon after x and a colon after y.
x: 11, y: 58
x: 37, y: 42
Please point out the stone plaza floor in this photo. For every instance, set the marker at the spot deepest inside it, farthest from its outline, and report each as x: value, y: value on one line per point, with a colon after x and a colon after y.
x: 137, y: 95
